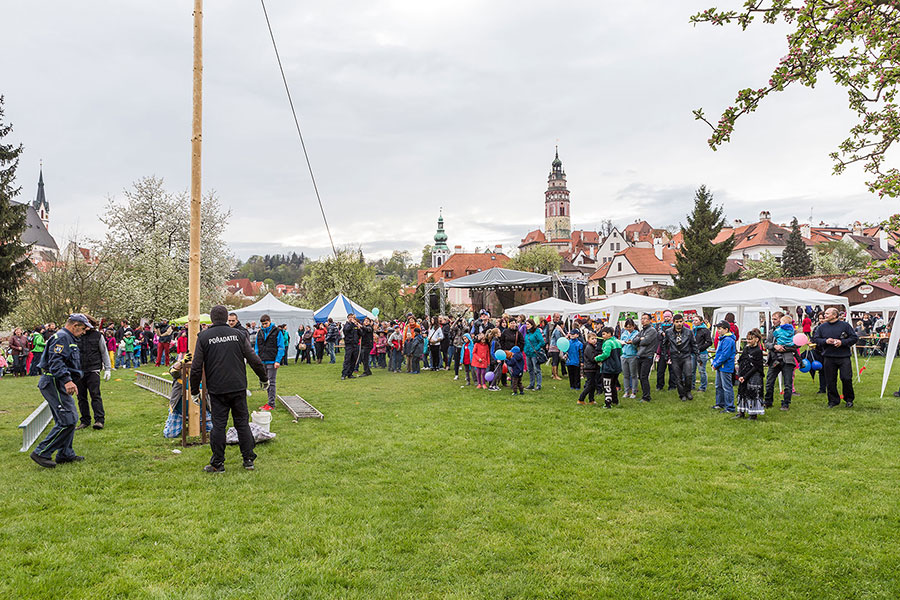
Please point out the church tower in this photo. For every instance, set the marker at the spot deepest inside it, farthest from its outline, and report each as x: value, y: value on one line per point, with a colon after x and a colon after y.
x: 440, y: 252
x: 557, y: 219
x: 40, y: 204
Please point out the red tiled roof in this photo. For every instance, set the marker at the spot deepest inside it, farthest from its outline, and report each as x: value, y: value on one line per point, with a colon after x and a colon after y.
x: 242, y: 285
x: 462, y: 264
x: 645, y: 262
x: 533, y: 237
x: 601, y: 272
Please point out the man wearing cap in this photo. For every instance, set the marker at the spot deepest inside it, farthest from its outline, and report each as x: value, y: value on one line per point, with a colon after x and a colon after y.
x: 94, y: 358
x: 662, y: 353
x: 482, y: 325
x: 221, y: 351
x: 60, y: 365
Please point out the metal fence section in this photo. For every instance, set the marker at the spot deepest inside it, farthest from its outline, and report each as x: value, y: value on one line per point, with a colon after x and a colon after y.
x: 34, y: 425
x: 153, y: 383
x: 300, y: 408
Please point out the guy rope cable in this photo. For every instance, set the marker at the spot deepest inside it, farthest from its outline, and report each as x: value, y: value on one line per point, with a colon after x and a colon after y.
x: 297, y: 123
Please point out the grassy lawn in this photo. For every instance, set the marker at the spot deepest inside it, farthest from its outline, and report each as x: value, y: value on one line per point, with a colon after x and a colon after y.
x: 415, y: 488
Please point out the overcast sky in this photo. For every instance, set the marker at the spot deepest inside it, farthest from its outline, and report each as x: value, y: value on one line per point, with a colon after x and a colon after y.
x: 408, y: 106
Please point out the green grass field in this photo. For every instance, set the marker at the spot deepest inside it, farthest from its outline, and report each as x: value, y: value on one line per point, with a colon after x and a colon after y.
x: 415, y: 488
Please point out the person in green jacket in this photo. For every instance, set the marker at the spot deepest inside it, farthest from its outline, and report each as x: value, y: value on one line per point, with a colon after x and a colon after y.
x: 610, y: 359
x: 129, y: 349
x: 37, y: 343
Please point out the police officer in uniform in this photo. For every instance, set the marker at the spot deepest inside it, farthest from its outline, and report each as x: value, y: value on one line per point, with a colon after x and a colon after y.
x: 221, y: 351
x: 61, y: 366
x: 352, y: 333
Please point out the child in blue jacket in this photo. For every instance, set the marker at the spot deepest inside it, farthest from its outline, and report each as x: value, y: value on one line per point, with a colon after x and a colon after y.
x: 573, y: 360
x: 516, y: 366
x: 723, y: 365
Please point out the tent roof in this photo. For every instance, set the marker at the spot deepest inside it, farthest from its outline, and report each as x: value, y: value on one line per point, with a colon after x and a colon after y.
x: 271, y: 304
x: 888, y: 303
x: 338, y: 309
x: 620, y: 303
x: 544, y: 307
x: 757, y: 292
x: 497, y: 277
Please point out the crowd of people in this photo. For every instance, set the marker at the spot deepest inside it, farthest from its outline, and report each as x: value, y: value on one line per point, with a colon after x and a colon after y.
x: 496, y: 353
x: 490, y: 353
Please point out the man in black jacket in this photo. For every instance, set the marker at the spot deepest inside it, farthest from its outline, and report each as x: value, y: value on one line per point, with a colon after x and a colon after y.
x: 366, y: 343
x: 221, y: 351
x: 352, y: 332
x: 703, y: 338
x: 662, y: 353
x: 835, y: 338
x: 680, y: 348
x: 94, y: 358
x: 647, y: 342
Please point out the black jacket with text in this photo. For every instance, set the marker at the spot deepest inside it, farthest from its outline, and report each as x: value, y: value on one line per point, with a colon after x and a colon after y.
x: 221, y: 352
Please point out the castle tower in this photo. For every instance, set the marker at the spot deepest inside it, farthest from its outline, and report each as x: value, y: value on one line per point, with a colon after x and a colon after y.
x: 440, y: 252
x: 557, y: 218
x: 40, y: 204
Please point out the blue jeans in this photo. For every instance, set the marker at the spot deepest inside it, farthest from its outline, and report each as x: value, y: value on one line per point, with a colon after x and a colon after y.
x: 330, y: 348
x: 534, y: 372
x: 700, y: 360
x: 725, y: 390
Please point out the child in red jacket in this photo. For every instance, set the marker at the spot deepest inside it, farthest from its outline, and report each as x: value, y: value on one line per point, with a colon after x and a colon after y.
x: 481, y: 361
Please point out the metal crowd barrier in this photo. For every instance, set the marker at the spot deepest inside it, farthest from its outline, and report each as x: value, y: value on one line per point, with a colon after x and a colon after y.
x: 153, y: 383
x: 34, y: 425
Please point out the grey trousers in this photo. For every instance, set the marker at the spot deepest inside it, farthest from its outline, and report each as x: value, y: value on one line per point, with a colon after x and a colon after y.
x: 271, y: 371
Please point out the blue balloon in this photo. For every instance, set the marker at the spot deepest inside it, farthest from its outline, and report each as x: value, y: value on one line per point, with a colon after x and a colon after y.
x: 500, y: 355
x: 815, y: 365
x: 804, y: 366
x: 563, y: 344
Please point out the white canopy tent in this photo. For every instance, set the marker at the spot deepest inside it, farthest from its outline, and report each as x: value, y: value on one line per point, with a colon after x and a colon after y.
x: 752, y: 316
x: 885, y: 306
x: 615, y: 305
x: 756, y: 293
x: 547, y: 306
x: 280, y: 313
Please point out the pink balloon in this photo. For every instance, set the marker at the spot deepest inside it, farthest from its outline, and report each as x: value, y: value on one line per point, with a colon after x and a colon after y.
x: 800, y: 339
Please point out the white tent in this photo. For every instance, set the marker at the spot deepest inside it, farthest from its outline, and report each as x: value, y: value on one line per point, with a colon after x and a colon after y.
x: 280, y: 313
x: 339, y: 307
x: 615, y: 305
x: 885, y: 306
x: 755, y: 293
x: 547, y: 306
x: 752, y: 316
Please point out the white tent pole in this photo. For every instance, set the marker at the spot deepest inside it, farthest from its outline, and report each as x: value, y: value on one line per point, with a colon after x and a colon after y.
x: 891, y: 353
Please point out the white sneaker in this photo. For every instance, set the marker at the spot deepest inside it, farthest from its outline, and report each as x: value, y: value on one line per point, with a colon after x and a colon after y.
x: 455, y: 377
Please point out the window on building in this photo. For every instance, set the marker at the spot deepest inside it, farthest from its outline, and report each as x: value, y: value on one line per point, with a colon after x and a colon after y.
x: 619, y: 267
x: 448, y: 274
x: 612, y: 287
x: 562, y: 211
x: 627, y: 285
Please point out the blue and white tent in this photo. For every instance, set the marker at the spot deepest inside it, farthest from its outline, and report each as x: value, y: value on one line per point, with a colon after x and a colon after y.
x: 339, y: 308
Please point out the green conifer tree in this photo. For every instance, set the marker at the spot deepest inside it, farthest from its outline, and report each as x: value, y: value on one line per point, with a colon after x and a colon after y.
x: 701, y: 263
x: 14, y: 262
x: 796, y: 260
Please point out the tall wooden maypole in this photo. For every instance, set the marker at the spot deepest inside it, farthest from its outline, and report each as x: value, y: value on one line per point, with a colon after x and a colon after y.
x: 194, y: 264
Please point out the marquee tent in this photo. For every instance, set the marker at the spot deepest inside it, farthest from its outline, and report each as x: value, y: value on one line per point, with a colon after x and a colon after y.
x: 338, y: 309
x: 759, y: 293
x: 615, y: 305
x: 885, y: 306
x: 547, y: 306
x: 280, y: 313
x: 204, y: 318
x: 497, y: 277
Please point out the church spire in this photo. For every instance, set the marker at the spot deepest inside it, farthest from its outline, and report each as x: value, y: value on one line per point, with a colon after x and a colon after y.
x: 440, y: 252
x: 40, y: 204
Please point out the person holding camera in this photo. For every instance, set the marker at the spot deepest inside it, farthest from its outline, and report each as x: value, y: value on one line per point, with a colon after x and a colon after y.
x: 221, y: 351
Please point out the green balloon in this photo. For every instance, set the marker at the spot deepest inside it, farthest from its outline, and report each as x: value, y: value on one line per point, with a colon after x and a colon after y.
x: 563, y: 344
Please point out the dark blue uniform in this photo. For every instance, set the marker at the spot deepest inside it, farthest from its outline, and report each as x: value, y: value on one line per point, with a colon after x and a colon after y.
x: 60, y: 363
